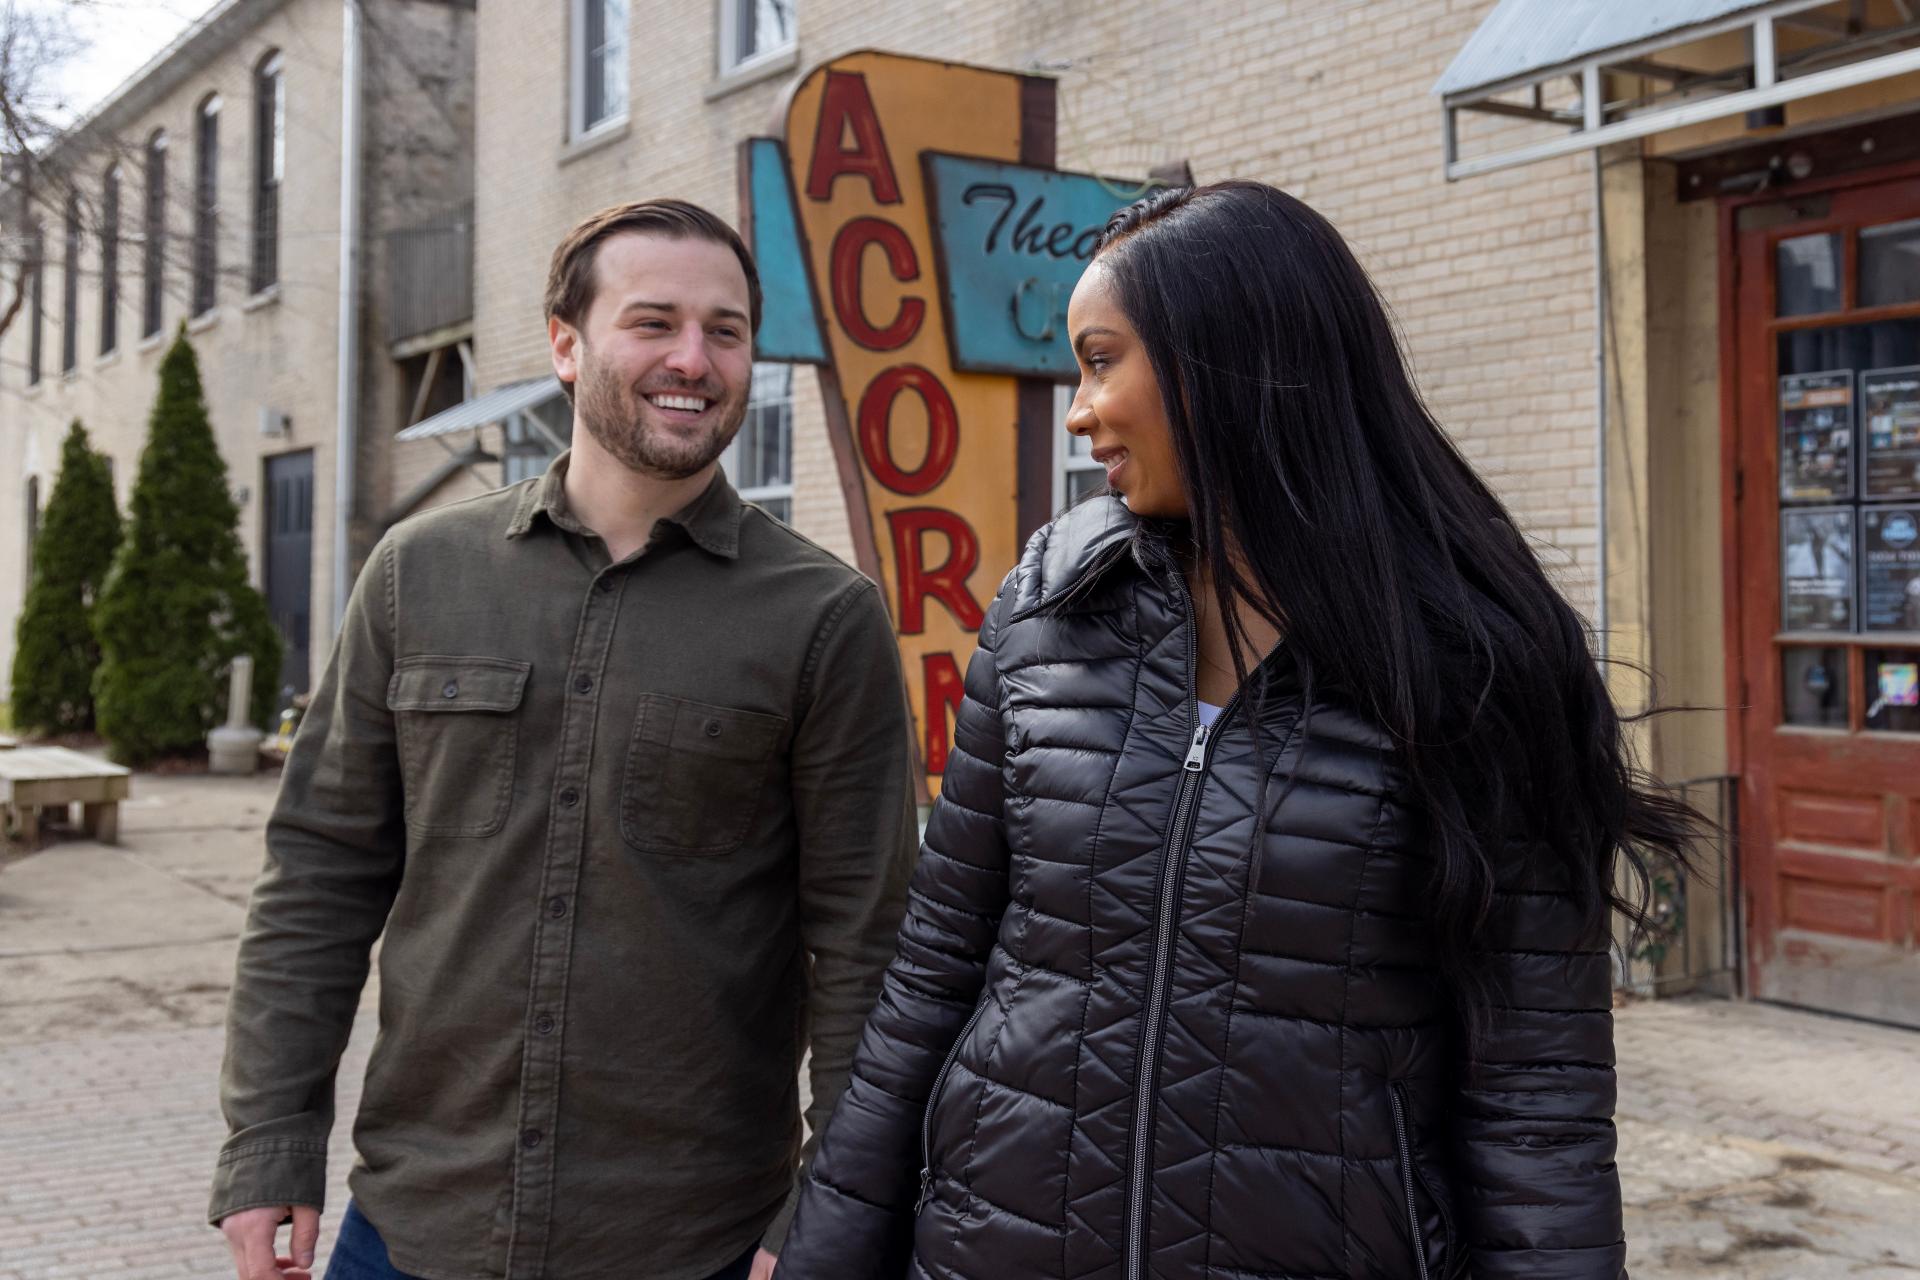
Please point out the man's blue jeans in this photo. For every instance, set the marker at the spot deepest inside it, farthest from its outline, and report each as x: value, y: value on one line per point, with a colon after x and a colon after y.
x: 360, y: 1254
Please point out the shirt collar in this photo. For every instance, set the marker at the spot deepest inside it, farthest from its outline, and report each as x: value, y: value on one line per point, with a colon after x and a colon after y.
x: 711, y: 520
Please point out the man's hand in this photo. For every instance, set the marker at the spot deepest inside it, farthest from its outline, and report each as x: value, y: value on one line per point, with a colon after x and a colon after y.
x: 762, y: 1266
x: 250, y: 1235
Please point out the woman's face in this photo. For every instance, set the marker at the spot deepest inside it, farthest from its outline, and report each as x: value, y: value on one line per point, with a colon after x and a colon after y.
x: 1117, y: 406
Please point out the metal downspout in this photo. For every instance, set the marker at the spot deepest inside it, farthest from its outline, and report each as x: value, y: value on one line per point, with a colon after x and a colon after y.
x: 348, y: 361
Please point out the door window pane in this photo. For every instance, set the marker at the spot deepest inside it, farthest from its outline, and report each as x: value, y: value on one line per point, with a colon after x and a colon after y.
x: 1890, y: 568
x: 1814, y: 687
x: 1893, y: 690
x: 1890, y: 264
x: 1816, y: 568
x: 1809, y: 274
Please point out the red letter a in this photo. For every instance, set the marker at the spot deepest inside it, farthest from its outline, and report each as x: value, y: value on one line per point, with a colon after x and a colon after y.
x: 846, y: 102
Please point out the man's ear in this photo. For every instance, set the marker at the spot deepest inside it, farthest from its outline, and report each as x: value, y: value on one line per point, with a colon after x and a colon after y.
x: 564, y: 340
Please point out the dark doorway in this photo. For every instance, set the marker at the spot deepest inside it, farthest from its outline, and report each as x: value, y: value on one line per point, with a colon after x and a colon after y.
x: 288, y: 519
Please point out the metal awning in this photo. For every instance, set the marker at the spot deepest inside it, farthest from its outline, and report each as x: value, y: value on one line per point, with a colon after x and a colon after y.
x: 496, y: 405
x: 1633, y: 68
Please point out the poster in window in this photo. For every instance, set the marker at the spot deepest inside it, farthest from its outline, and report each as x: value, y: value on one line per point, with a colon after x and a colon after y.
x: 1890, y: 559
x: 1816, y: 436
x: 1816, y: 568
x: 1890, y: 412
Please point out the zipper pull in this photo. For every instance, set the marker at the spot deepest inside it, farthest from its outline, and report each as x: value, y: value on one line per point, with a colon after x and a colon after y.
x: 926, y: 1190
x: 1197, y: 751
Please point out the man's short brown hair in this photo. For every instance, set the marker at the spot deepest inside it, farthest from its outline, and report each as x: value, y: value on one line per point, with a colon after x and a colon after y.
x: 570, y: 279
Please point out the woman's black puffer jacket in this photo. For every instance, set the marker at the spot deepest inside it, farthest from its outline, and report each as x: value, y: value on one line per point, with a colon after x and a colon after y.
x: 1098, y: 1054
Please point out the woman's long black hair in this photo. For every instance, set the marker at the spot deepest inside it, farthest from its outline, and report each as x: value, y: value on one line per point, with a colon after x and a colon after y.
x: 1322, y: 491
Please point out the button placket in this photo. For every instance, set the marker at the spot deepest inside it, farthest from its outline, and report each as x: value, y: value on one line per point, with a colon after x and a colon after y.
x: 536, y: 1157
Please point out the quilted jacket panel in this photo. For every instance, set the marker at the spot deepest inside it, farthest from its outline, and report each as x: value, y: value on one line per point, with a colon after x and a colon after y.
x: 1078, y: 919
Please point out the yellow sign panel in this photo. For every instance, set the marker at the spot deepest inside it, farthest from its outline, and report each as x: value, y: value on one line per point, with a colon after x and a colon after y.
x: 928, y: 453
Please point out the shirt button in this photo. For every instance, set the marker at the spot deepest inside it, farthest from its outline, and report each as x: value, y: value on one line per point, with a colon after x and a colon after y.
x: 583, y: 684
x: 713, y: 728
x: 529, y: 1138
x: 569, y: 797
x: 604, y: 585
x: 544, y: 1024
x: 556, y: 906
x: 451, y: 689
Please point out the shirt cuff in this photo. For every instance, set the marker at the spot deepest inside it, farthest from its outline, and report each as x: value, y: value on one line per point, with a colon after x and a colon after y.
x: 261, y: 1174
x: 776, y: 1234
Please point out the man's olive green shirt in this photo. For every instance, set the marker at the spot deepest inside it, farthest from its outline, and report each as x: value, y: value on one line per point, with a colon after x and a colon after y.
x: 638, y: 835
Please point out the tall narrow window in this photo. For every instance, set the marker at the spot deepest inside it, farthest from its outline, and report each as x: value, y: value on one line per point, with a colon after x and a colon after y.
x: 753, y: 29
x: 70, y: 286
x: 269, y: 165
x: 153, y: 237
x: 206, y: 206
x: 599, y: 59
x: 36, y: 301
x: 110, y: 260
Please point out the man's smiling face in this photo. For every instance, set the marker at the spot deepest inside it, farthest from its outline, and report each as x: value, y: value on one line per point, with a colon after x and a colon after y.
x: 663, y: 359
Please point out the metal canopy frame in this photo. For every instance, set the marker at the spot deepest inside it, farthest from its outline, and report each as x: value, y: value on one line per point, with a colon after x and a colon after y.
x: 1856, y: 54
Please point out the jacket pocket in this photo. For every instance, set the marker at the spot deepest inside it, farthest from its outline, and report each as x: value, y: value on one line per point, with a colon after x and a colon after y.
x: 1412, y: 1178
x: 933, y: 1100
x: 694, y: 775
x: 458, y: 733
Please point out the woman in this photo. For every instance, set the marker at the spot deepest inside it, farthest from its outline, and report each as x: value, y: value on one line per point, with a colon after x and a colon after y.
x: 1261, y: 927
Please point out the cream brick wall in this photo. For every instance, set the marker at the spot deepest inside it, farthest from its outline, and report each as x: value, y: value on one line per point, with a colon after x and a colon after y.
x: 1492, y: 280
x: 276, y: 350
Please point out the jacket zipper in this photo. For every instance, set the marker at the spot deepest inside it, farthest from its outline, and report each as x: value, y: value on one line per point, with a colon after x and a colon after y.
x: 1173, y: 872
x: 933, y: 1098
x: 1394, y: 1096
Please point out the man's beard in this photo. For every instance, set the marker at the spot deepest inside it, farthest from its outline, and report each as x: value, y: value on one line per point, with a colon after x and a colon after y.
x: 623, y: 423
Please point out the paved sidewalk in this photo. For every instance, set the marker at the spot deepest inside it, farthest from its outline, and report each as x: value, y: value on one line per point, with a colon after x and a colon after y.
x: 1757, y: 1143
x: 1761, y: 1143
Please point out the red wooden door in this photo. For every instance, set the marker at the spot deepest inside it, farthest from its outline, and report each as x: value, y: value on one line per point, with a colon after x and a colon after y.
x: 1823, y: 586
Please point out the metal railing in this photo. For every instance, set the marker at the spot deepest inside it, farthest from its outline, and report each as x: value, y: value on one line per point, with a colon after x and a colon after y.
x: 1696, y: 940
x: 430, y: 274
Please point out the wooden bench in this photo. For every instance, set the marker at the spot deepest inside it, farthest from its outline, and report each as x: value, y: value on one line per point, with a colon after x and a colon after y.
x: 37, y: 778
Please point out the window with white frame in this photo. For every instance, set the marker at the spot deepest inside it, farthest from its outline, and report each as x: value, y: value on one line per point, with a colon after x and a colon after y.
x: 206, y: 204
x: 752, y: 30
x: 533, y: 438
x: 760, y: 459
x: 110, y: 260
x: 70, y: 288
x: 599, y: 65
x: 37, y: 292
x: 153, y: 236
x: 269, y: 168
x: 1075, y: 473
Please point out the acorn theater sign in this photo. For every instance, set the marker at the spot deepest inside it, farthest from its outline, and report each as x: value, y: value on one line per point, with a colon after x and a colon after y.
x: 918, y: 246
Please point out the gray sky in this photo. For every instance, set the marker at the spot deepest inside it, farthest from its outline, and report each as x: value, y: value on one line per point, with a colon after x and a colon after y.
x: 117, y: 38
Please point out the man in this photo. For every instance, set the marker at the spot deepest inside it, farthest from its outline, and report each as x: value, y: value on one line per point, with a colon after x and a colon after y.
x: 622, y: 768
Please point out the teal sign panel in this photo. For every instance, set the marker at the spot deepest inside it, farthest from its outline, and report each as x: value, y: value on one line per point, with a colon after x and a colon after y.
x: 790, y: 318
x: 1013, y: 241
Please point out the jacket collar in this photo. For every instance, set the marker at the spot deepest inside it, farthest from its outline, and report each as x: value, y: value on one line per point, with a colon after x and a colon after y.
x: 1071, y: 556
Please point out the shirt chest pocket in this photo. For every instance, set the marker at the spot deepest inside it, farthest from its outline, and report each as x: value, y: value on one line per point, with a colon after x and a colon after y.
x: 459, y: 730
x: 695, y: 775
